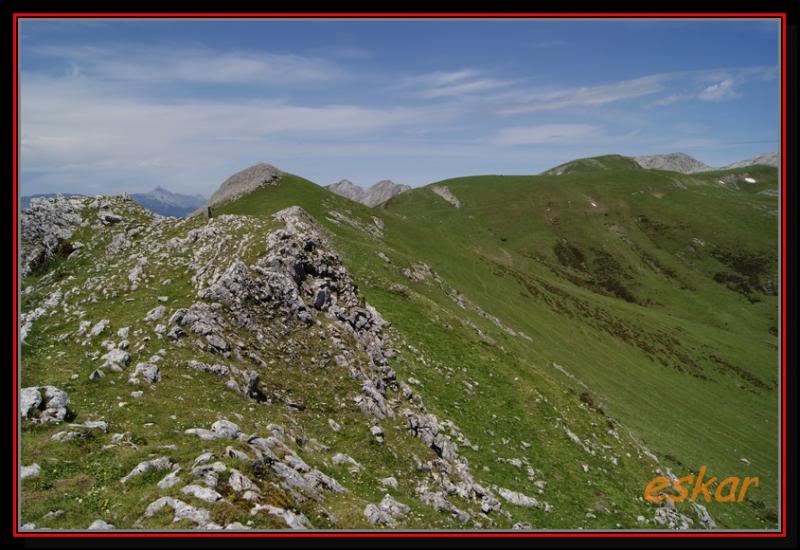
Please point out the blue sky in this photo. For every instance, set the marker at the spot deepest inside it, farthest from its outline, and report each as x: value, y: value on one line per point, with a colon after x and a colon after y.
x: 110, y: 106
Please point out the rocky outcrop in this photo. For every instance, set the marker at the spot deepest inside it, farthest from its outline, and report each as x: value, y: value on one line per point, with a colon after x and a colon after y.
x: 45, y: 228
x: 42, y: 405
x: 444, y: 192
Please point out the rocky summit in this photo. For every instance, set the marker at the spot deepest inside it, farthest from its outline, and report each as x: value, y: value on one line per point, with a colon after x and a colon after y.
x: 675, y: 162
x: 303, y: 361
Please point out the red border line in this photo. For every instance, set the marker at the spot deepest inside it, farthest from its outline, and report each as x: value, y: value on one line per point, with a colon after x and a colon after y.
x: 15, y: 363
x: 395, y: 15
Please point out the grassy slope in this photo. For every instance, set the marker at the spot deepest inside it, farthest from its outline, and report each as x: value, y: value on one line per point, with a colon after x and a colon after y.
x: 712, y: 422
x: 498, y: 251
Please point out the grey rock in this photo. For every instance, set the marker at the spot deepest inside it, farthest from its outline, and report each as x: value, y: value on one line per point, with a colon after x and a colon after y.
x: 63, y: 437
x: 29, y: 400
x: 151, y: 373
x: 161, y: 463
x: 116, y: 360
x: 377, y: 433
x: 292, y: 519
x: 170, y: 480
x: 100, y: 425
x: 241, y: 483
x: 155, y: 314
x: 376, y: 516
x: 225, y: 428
x: 100, y: 524
x: 182, y: 511
x: 519, y: 499
x: 390, y: 482
x: 393, y: 507
x: 345, y: 460
x: 444, y: 192
x: 202, y: 493
x: 99, y: 327
x: 45, y: 228
x: 30, y: 471
x: 44, y: 404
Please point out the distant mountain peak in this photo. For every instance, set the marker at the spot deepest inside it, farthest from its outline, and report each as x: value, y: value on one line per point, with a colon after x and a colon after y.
x: 375, y: 195
x: 767, y: 159
x: 164, y: 202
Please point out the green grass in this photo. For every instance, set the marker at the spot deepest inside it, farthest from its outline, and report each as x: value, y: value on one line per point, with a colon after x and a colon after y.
x: 620, y: 294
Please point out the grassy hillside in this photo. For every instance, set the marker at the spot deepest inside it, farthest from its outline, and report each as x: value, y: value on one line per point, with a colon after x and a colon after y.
x: 654, y: 289
x: 568, y: 325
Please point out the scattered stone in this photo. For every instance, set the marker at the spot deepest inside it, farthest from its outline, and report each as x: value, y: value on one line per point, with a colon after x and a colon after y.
x: 45, y: 404
x: 161, y: 463
x: 203, y: 493
x: 241, y: 483
x: 30, y: 471
x: 99, y: 328
x: 389, y: 482
x: 393, y: 507
x: 343, y: 459
x: 63, y: 437
x: 519, y: 499
x: 292, y: 519
x: 225, y: 428
x: 377, y: 433
x: 151, y: 373
x: 198, y: 516
x: 116, y: 360
x: 155, y: 314
x: 376, y: 516
x: 170, y: 480
x: 100, y: 524
x: 100, y: 425
x: 334, y: 425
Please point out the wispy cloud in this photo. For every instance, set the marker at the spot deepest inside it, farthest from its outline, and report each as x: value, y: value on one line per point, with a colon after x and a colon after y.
x: 715, y: 84
x: 459, y: 83
x: 196, y: 64
x: 547, y: 134
x: 588, y: 96
x: 515, y: 96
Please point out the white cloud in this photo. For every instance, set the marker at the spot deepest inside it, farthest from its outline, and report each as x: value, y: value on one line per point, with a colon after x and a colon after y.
x: 73, y: 126
x: 716, y: 92
x: 145, y: 64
